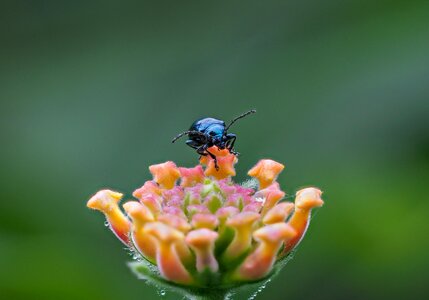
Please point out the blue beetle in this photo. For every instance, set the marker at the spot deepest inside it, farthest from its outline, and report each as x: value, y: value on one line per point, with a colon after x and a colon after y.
x: 207, y: 132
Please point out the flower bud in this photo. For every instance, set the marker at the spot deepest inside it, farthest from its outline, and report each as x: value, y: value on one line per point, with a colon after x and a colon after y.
x: 266, y: 171
x: 149, y: 188
x: 260, y: 262
x: 167, y: 259
x: 204, y: 221
x: 306, y: 200
x: 107, y: 201
x: 242, y: 224
x: 165, y: 174
x: 278, y: 213
x: 191, y: 176
x: 202, y: 242
x: 141, y: 215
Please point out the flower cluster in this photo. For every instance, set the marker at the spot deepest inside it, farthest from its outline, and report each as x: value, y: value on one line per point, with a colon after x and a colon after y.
x: 205, y: 230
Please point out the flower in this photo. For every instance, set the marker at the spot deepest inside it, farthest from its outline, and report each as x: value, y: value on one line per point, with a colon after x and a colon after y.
x: 205, y: 230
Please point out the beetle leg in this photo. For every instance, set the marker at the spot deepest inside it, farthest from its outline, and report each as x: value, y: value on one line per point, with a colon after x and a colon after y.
x: 230, y: 143
x: 214, y: 158
x: 204, y: 152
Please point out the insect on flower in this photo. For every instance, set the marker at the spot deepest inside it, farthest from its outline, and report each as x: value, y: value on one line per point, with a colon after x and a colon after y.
x: 197, y: 232
x: 207, y: 132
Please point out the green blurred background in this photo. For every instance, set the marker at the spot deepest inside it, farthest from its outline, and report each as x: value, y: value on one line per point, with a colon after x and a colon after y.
x: 91, y: 93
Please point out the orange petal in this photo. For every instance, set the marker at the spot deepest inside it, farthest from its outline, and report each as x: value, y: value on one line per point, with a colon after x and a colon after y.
x: 305, y: 201
x: 204, y: 160
x: 153, y: 203
x: 260, y: 262
x: 167, y: 258
x: 204, y: 221
x: 242, y: 224
x: 106, y: 201
x: 202, y: 242
x: 278, y: 213
x: 266, y: 171
x: 225, y: 161
x: 191, y: 176
x: 141, y: 215
x: 165, y: 174
x: 270, y: 196
x: 148, y: 188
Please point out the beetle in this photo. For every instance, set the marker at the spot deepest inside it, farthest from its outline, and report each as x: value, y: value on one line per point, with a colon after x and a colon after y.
x: 207, y: 132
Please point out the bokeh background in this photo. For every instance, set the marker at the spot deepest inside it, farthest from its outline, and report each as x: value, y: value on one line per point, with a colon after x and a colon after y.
x: 91, y: 93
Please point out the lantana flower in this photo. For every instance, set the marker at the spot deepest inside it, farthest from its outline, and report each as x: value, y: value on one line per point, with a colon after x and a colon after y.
x: 197, y: 232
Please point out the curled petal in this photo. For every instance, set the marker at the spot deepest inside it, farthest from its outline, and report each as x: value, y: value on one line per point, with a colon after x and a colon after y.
x: 148, y: 188
x: 242, y: 224
x: 202, y: 242
x: 255, y: 207
x: 270, y: 197
x: 165, y: 174
x: 141, y: 215
x: 191, y: 176
x: 266, y: 171
x: 106, y: 201
x: 153, y: 203
x: 306, y: 200
x: 278, y: 213
x: 167, y: 259
x: 204, y: 221
x: 260, y: 262
x: 138, y: 212
x: 182, y: 225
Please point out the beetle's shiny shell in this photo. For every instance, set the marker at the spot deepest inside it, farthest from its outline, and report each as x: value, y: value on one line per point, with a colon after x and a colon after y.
x: 211, y: 126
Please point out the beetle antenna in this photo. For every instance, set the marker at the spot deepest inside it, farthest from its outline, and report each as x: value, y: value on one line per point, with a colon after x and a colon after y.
x: 252, y: 111
x: 179, y: 136
x: 185, y: 133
